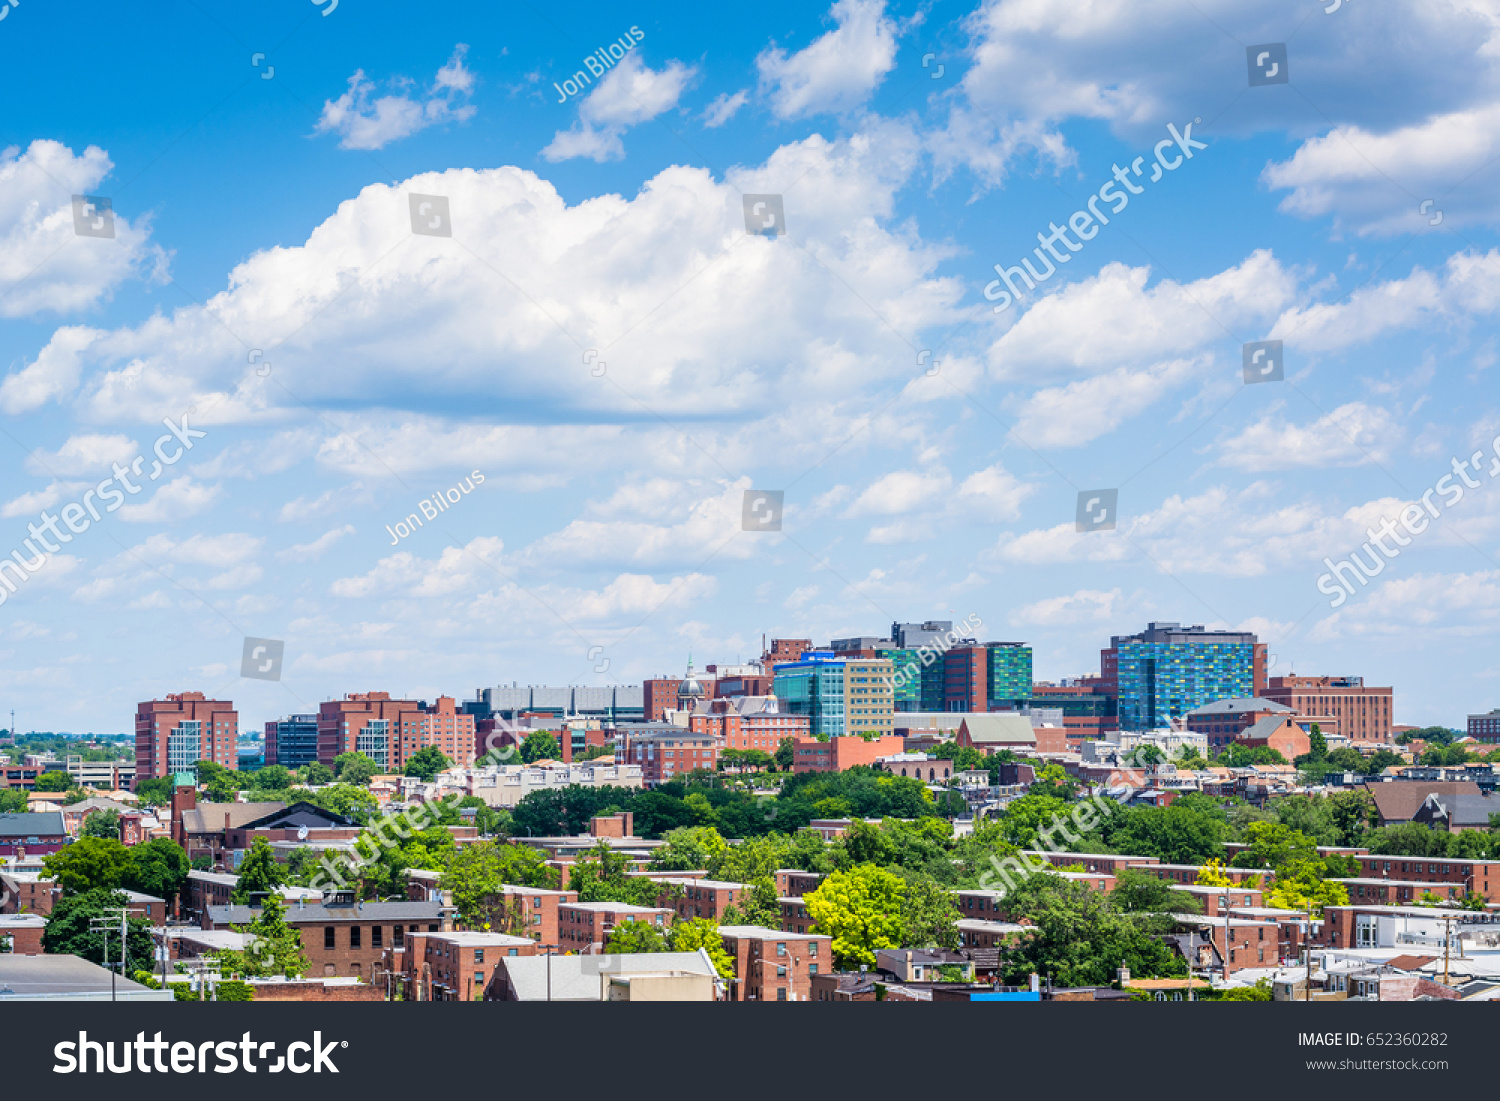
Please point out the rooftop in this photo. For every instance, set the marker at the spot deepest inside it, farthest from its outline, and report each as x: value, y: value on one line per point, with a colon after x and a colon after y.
x: 67, y: 978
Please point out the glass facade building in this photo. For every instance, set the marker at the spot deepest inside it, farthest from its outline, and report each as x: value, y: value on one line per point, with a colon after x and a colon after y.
x: 1168, y: 670
x: 814, y: 686
x: 1009, y: 668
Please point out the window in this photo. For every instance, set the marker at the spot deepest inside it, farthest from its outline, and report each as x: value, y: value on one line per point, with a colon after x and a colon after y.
x: 512, y: 952
x: 432, y: 928
x: 377, y: 936
x: 398, y: 936
x: 781, y: 972
x: 812, y: 969
x: 354, y: 936
x: 812, y: 949
x: 781, y: 948
x: 328, y: 937
x: 479, y: 955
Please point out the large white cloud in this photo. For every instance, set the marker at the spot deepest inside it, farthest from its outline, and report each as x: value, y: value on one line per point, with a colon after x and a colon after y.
x: 840, y: 70
x: 45, y: 265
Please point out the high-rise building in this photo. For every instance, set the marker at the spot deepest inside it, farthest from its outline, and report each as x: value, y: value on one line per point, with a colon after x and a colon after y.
x: 293, y: 741
x: 1485, y: 728
x: 389, y: 731
x: 607, y: 703
x: 1167, y: 670
x: 172, y: 734
x: 1363, y: 714
x: 838, y: 695
x: 995, y: 676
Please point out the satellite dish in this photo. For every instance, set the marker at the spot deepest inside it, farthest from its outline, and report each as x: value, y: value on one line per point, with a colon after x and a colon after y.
x: 301, y: 833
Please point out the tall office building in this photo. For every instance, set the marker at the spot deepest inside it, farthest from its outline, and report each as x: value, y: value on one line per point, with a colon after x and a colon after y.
x: 389, y: 731
x: 1362, y: 714
x: 171, y: 735
x: 1167, y: 670
x: 293, y: 741
x: 839, y: 696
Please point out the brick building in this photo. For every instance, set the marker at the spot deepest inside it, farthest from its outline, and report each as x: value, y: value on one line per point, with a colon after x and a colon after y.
x: 1485, y: 728
x: 1481, y: 877
x: 171, y: 735
x: 746, y: 722
x: 27, y: 893
x: 34, y: 833
x: 662, y: 750
x: 582, y: 924
x: 21, y: 934
x: 452, y: 967
x: 771, y: 965
x: 1362, y: 714
x: 837, y: 754
x: 389, y: 731
x: 343, y: 937
x: 699, y: 898
x: 795, y: 882
x: 531, y: 911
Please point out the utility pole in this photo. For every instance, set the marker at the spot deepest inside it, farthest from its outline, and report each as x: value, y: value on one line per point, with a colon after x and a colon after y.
x: 1307, y: 951
x: 106, y: 921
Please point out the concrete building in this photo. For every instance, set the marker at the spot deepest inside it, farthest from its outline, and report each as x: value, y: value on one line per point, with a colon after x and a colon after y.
x: 1485, y: 728
x: 507, y: 785
x: 60, y: 978
x: 171, y: 735
x: 1362, y: 714
x: 625, y: 977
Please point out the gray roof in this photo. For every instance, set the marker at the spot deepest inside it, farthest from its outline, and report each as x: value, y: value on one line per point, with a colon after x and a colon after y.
x: 1239, y: 704
x: 1000, y: 727
x: 1468, y: 810
x: 317, y: 912
x: 41, y: 823
x: 209, y: 817
x: 1264, y: 728
x: 97, y: 803
x: 582, y: 978
x: 67, y: 978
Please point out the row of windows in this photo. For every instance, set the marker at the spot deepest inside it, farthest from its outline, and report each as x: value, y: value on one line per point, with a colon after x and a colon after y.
x: 377, y: 935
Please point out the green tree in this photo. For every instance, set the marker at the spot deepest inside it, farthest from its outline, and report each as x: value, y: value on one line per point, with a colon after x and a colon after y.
x: 1318, y: 743
x: 355, y: 768
x: 159, y: 867
x: 154, y: 792
x: 89, y: 864
x: 1078, y: 937
x: 757, y: 906
x: 220, y: 784
x: 259, y: 874
x: 691, y: 934
x: 102, y: 823
x: 12, y: 802
x: 272, y: 778
x: 350, y: 800
x: 427, y: 762
x: 929, y: 918
x: 540, y: 745
x: 631, y: 935
x: 1137, y: 892
x: 54, y: 781
x: 861, y: 909
x: 475, y: 874
x: 316, y: 773
x: 70, y: 931
x: 689, y: 848
x: 600, y: 876
x: 784, y: 754
x: 274, y: 947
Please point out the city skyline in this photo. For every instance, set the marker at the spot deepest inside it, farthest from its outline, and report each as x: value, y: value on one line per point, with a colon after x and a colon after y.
x: 366, y: 345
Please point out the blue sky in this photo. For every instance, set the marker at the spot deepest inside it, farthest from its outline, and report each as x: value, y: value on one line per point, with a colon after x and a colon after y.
x: 262, y: 218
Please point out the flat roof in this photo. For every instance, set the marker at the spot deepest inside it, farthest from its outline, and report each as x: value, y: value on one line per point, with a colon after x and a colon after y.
x: 474, y: 939
x: 616, y: 908
x: 976, y: 925
x: 67, y: 978
x: 689, y: 881
x: 761, y: 932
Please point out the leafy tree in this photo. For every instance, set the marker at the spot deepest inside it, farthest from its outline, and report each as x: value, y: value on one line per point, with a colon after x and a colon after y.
x: 69, y: 931
x: 929, y: 918
x: 1352, y: 814
x: 355, y: 768
x: 272, y: 778
x: 1273, y: 845
x: 540, y: 745
x: 492, y: 821
x: 1318, y: 743
x: 689, y: 848
x: 691, y: 934
x: 1079, y: 938
x: 350, y: 800
x: 1187, y: 832
x: 1381, y: 760
x: 785, y: 754
x: 316, y: 773
x: 1027, y: 816
x: 155, y: 792
x: 54, y: 781
x: 600, y: 877
x: 102, y: 823
x: 12, y: 802
x: 1236, y: 755
x: 1138, y: 892
x: 1054, y: 782
x: 861, y: 909
x: 89, y: 864
x: 476, y: 873
x: 159, y: 867
x: 259, y: 873
x: 631, y: 935
x: 1211, y: 874
x: 1432, y: 735
x: 964, y: 757
x: 758, y: 906
x: 1300, y: 886
x: 274, y: 948
x: 427, y: 762
x: 220, y: 784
